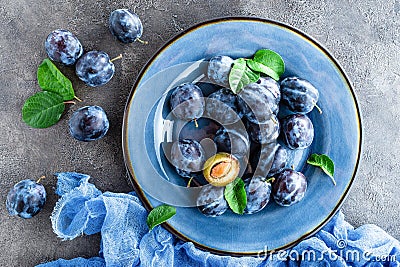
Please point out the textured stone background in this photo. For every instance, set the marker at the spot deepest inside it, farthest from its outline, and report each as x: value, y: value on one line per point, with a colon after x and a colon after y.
x: 362, y: 35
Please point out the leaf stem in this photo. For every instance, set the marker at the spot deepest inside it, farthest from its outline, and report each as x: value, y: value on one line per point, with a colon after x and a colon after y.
x: 69, y: 102
x: 333, y: 180
x: 116, y: 58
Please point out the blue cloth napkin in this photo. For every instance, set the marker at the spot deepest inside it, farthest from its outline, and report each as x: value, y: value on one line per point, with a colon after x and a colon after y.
x: 127, y: 241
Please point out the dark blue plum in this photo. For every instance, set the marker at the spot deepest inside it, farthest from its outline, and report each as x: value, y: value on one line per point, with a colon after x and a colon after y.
x: 289, y: 187
x: 125, y: 25
x: 218, y: 70
x: 280, y: 161
x: 259, y: 101
x: 258, y: 192
x: 187, y: 102
x: 95, y: 68
x: 232, y: 141
x: 274, y: 91
x: 187, y: 156
x: 26, y: 199
x: 264, y: 133
x: 222, y: 106
x: 63, y: 46
x: 211, y: 201
x: 88, y: 123
x: 299, y: 95
x: 298, y: 131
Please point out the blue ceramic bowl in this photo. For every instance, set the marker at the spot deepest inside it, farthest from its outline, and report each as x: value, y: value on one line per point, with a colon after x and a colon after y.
x: 337, y: 133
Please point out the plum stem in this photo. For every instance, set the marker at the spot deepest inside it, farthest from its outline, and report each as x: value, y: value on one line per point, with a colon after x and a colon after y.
x: 141, y: 41
x: 190, y: 180
x: 318, y: 108
x: 78, y: 99
x: 40, y: 178
x: 196, y: 183
x: 195, y: 123
x: 274, y: 120
x: 116, y: 58
x: 270, y: 180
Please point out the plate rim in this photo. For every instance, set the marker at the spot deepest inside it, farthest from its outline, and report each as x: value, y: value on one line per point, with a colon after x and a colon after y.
x: 131, y: 174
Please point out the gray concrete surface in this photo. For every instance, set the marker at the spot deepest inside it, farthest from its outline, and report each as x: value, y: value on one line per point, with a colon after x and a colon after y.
x: 363, y: 35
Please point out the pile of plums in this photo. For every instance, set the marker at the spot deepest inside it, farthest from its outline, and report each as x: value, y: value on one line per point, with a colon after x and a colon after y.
x: 94, y: 68
x: 251, y: 132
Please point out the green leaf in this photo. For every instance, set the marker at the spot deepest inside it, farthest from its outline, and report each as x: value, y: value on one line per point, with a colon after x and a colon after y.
x: 43, y: 109
x: 235, y: 195
x: 159, y: 215
x: 325, y: 163
x: 270, y: 59
x: 256, y: 66
x: 51, y: 79
x: 241, y: 75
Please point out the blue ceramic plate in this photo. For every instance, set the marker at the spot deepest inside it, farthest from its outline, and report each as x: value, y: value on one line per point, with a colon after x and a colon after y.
x: 147, y: 126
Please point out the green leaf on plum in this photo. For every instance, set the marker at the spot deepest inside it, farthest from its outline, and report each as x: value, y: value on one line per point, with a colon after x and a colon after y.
x: 258, y: 67
x: 270, y: 59
x: 235, y: 195
x: 241, y: 75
